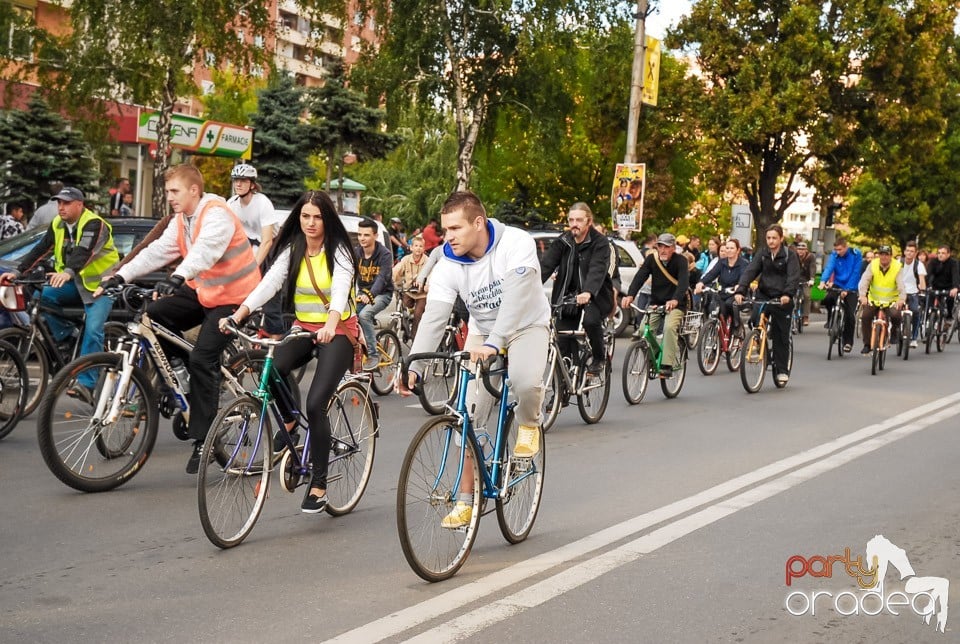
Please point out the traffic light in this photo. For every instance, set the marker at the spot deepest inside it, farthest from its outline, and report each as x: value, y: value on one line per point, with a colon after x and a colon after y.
x: 832, y: 211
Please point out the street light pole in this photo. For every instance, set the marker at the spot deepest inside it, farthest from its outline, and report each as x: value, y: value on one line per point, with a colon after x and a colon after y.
x: 636, y: 83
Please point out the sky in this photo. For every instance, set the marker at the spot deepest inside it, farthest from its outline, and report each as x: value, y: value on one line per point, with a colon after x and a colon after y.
x: 666, y: 15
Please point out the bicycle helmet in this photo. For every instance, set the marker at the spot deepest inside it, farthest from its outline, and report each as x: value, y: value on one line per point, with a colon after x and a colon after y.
x: 243, y: 171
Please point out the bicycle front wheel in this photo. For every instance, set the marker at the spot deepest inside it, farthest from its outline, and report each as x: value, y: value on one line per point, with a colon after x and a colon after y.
x: 388, y: 346
x: 37, y: 363
x: 708, y: 353
x: 636, y: 367
x: 932, y: 320
x: 733, y: 352
x: 231, y: 496
x: 79, y: 442
x: 427, y: 491
x: 552, y: 396
x: 353, y: 444
x: 13, y: 387
x: 594, y: 394
x: 521, y: 487
x: 753, y: 363
x: 671, y: 386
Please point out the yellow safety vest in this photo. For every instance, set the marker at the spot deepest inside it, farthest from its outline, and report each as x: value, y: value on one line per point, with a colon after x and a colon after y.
x: 883, y: 287
x: 306, y: 303
x: 102, y: 261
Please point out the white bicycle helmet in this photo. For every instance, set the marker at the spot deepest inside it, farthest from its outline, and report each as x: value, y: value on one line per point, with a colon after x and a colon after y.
x: 243, y: 171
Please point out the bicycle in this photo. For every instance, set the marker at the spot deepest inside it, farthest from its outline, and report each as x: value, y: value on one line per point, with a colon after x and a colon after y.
x: 97, y: 443
x: 796, y: 318
x: 567, y: 376
x: 643, y: 361
x: 936, y: 314
x: 451, y: 450
x: 43, y: 355
x: 906, y: 333
x: 880, y: 329
x: 401, y: 319
x: 237, y: 456
x: 757, y: 349
x: 954, y: 319
x: 717, y: 338
x: 837, y: 322
x: 14, y: 385
x: 388, y: 348
x: 438, y: 383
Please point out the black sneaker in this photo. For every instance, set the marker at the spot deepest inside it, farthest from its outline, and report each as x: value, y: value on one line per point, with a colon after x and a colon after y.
x: 313, y: 504
x: 595, y: 368
x: 193, y: 465
x: 279, y: 444
x: 864, y: 351
x: 666, y: 372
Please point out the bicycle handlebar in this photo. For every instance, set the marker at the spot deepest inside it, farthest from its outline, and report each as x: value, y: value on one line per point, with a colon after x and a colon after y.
x: 483, y: 368
x: 294, y: 333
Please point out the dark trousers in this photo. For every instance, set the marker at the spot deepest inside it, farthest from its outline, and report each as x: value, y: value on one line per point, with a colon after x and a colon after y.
x: 593, y: 318
x: 182, y: 311
x: 333, y: 360
x: 850, y: 305
x: 779, y: 331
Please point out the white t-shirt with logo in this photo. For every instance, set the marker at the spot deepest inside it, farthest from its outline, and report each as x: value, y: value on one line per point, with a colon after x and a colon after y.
x: 258, y: 214
x: 909, y: 279
x: 480, y: 283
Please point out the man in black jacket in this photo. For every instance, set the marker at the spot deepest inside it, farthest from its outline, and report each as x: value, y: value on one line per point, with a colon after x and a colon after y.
x: 669, y: 276
x: 778, y: 267
x: 943, y: 274
x: 581, y: 258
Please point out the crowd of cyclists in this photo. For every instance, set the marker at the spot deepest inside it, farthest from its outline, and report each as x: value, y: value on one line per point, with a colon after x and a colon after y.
x: 236, y: 257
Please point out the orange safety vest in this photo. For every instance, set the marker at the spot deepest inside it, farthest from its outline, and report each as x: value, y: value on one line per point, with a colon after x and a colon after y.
x: 235, y: 274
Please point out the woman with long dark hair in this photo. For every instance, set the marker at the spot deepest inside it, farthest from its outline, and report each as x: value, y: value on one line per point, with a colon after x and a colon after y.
x: 311, y: 252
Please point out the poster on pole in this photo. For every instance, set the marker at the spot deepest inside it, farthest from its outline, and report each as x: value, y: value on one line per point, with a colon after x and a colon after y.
x: 742, y: 220
x: 626, y: 198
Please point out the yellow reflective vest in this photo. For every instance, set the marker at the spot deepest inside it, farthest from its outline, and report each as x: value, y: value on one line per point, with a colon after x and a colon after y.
x: 101, y: 261
x: 883, y: 286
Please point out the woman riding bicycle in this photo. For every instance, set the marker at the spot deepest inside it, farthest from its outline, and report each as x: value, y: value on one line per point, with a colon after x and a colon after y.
x: 727, y: 272
x: 314, y: 250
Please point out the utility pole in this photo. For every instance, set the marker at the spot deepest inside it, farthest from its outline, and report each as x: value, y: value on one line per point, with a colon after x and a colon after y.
x: 636, y: 82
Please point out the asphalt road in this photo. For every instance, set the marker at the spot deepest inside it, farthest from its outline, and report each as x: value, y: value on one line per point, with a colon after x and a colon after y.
x: 670, y: 521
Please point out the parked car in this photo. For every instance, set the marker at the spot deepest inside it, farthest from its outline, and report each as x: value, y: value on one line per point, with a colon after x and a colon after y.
x: 628, y: 255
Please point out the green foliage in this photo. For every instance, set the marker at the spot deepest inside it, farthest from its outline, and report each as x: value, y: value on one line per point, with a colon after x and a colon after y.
x: 285, y: 141
x: 38, y: 147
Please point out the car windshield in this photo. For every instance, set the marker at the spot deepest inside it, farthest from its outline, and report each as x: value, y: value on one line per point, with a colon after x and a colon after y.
x: 14, y: 248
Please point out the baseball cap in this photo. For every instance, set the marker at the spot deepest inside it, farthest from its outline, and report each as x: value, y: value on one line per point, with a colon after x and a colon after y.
x: 69, y: 194
x: 396, y: 220
x: 683, y: 239
x: 885, y: 250
x: 666, y: 239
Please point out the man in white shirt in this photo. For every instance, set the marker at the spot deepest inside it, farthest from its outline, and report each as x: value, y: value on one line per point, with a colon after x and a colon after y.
x: 261, y: 222
x: 495, y: 269
x: 915, y: 281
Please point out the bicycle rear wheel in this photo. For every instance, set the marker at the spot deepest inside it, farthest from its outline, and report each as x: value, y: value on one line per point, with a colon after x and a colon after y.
x: 932, y: 323
x: 353, y: 444
x: 521, y: 486
x: 708, y: 353
x: 388, y: 346
x: 427, y: 491
x: 37, y: 363
x: 230, y: 497
x: 753, y: 363
x: 906, y: 334
x: 594, y: 394
x: 552, y: 396
x: 14, y: 386
x: 77, y: 443
x: 671, y: 386
x: 636, y: 368
x: 733, y: 352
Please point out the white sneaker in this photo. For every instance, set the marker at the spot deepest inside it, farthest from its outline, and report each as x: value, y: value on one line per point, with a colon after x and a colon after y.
x: 528, y: 442
x: 913, y: 344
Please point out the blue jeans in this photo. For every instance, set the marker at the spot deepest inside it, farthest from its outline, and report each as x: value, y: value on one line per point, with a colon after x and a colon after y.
x: 366, y: 317
x: 97, y: 313
x: 913, y: 303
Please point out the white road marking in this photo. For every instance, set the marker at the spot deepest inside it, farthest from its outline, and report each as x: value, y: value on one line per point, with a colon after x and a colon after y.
x: 816, y: 460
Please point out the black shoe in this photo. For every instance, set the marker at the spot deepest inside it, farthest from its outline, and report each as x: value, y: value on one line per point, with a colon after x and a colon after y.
x: 864, y: 351
x: 279, y: 444
x: 595, y: 368
x: 313, y: 504
x: 81, y: 393
x: 666, y: 371
x: 193, y: 465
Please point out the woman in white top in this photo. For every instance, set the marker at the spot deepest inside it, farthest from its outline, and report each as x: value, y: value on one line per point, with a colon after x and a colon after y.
x: 312, y: 252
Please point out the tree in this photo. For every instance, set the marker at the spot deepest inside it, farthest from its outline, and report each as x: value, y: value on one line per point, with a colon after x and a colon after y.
x: 342, y: 123
x: 39, y: 146
x: 285, y: 140
x: 139, y: 52
x: 772, y: 74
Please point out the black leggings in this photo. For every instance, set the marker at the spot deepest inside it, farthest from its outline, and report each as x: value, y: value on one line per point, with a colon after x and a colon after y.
x: 333, y: 360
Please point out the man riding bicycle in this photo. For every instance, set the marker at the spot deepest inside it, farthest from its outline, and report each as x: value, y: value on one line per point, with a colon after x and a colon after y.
x: 943, y: 273
x: 581, y: 258
x: 670, y: 278
x: 494, y: 268
x: 843, y: 271
x: 778, y: 268
x: 882, y: 287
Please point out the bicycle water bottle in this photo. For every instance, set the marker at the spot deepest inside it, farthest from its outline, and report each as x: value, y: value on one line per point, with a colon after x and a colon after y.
x: 183, y: 376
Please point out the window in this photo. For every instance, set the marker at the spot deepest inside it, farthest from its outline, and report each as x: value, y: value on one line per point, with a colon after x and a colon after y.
x: 18, y: 34
x: 358, y: 18
x: 210, y: 59
x: 258, y: 41
x: 625, y: 259
x: 256, y: 71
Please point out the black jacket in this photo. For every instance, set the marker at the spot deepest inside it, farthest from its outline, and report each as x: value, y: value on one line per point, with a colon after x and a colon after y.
x: 662, y: 289
x: 943, y: 276
x: 581, y: 268
x: 779, y: 275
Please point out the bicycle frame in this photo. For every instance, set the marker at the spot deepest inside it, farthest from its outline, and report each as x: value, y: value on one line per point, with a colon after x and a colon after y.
x: 762, y: 324
x: 879, y: 330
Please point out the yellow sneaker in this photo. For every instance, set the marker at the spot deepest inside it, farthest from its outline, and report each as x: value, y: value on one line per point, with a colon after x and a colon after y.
x: 459, y: 516
x: 528, y: 442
